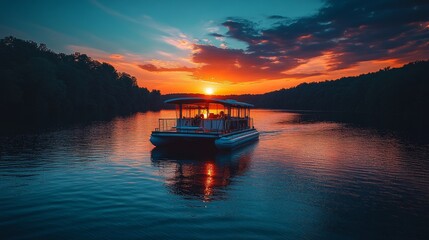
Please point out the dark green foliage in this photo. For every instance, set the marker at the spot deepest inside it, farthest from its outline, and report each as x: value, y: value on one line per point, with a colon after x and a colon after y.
x: 395, y: 98
x: 37, y: 84
x: 398, y: 92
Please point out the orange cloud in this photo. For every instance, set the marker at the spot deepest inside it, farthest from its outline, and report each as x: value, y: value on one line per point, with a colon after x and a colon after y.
x: 116, y: 56
x: 152, y: 68
x: 181, y: 43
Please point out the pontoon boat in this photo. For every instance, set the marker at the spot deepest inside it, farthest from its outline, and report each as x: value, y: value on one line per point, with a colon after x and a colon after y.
x: 225, y: 124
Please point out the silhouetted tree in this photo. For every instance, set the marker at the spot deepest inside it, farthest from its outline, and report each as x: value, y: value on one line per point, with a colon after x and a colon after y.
x: 39, y: 85
x: 395, y: 93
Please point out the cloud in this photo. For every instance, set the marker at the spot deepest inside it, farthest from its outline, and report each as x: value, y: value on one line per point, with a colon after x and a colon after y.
x: 152, y: 68
x: 144, y: 20
x: 277, y: 17
x: 235, y: 65
x: 243, y: 30
x: 179, y: 42
x: 340, y: 36
x: 216, y: 35
x: 353, y: 31
x: 114, y: 12
x: 116, y: 56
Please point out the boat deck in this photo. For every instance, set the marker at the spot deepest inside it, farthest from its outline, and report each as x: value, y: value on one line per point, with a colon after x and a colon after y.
x: 203, y: 126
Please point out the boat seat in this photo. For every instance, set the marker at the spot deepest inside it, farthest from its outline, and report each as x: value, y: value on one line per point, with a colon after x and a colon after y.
x: 189, y: 128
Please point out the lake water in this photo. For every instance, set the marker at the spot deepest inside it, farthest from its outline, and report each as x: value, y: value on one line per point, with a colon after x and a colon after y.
x: 306, y: 178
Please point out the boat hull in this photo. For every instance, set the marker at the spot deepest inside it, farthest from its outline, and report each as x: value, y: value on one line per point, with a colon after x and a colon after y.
x: 161, y: 139
x: 232, y: 141
x: 220, y: 141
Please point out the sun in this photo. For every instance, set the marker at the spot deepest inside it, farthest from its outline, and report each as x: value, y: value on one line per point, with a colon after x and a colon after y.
x: 209, y: 91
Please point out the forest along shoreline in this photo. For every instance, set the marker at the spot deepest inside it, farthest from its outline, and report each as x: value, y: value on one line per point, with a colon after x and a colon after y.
x: 40, y: 88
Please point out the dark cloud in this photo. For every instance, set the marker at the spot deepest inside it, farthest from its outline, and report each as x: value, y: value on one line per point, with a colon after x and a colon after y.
x: 242, y: 29
x: 277, y: 17
x: 237, y: 65
x: 153, y: 68
x: 353, y: 31
x: 216, y: 35
x: 347, y: 32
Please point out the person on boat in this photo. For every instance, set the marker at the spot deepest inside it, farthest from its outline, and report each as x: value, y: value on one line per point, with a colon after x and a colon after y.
x: 197, y: 119
x: 221, y: 114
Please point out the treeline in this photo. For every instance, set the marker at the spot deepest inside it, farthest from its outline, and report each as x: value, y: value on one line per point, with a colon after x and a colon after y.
x: 37, y: 84
x: 390, y: 92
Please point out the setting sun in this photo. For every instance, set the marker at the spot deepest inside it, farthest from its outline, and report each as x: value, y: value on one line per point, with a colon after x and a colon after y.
x: 209, y: 91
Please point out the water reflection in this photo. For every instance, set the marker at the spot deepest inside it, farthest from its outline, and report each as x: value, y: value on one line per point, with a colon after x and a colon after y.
x: 409, y: 129
x: 201, y: 174
x: 308, y: 177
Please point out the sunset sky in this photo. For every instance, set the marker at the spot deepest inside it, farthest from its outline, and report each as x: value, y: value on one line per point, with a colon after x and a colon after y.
x: 232, y: 47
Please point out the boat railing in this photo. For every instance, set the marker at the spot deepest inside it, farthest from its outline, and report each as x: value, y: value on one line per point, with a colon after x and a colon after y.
x: 166, y: 125
x: 197, y: 125
x: 238, y: 124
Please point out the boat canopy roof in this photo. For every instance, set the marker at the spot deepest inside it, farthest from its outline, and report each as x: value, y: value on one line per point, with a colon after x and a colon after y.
x: 195, y: 100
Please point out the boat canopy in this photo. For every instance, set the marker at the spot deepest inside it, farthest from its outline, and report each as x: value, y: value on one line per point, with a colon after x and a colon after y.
x: 194, y: 100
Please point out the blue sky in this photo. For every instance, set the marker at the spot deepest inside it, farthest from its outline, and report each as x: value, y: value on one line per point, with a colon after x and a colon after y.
x: 134, y: 26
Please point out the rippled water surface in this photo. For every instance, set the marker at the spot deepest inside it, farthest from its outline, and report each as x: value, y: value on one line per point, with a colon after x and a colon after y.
x: 303, y: 180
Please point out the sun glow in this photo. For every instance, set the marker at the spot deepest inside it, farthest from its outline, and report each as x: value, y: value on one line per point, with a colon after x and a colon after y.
x: 209, y: 91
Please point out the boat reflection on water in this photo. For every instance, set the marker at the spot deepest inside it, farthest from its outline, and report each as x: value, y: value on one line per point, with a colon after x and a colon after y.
x: 201, y: 174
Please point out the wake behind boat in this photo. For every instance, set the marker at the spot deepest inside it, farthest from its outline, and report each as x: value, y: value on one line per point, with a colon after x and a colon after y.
x: 225, y: 124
